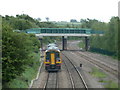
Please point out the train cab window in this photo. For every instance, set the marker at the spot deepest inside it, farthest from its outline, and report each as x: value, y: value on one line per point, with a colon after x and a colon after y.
x: 47, y: 55
x: 57, y: 55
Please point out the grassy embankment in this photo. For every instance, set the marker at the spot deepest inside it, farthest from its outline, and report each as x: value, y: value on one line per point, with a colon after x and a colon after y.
x: 30, y: 73
x: 81, y: 45
x: 101, y: 76
x: 98, y: 74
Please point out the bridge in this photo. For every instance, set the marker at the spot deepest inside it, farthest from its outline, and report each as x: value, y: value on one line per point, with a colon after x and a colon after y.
x: 64, y: 32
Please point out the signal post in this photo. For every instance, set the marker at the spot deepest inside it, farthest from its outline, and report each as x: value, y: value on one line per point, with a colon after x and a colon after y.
x: 64, y: 42
x: 86, y: 43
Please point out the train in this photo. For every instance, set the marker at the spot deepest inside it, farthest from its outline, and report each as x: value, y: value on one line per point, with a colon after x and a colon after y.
x: 52, y: 58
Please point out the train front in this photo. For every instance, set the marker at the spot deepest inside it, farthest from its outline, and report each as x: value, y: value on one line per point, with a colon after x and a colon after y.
x: 52, y: 59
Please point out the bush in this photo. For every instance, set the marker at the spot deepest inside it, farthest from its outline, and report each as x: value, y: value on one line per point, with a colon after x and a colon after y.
x: 16, y: 50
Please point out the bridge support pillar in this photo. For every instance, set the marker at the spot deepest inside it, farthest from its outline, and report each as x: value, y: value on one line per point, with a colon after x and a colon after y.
x: 64, y: 42
x: 86, y: 43
x: 41, y: 42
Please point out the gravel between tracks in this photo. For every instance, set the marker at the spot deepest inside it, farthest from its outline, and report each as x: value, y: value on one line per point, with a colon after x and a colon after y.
x: 88, y: 67
x: 76, y: 76
x: 64, y: 79
x: 63, y: 82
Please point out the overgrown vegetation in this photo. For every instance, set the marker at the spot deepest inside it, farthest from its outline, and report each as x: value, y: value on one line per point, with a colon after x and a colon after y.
x: 96, y: 73
x: 81, y: 45
x: 16, y: 53
x: 20, y: 51
x: 0, y: 52
x: 108, y: 43
x: 24, y: 80
x: 101, y: 76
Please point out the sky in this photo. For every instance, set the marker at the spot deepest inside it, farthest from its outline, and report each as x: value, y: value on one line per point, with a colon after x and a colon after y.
x: 61, y: 10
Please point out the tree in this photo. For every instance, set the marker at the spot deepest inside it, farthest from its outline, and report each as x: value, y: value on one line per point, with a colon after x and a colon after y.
x: 39, y: 19
x: 73, y: 20
x: 16, y: 48
x: 47, y: 18
x: 110, y: 39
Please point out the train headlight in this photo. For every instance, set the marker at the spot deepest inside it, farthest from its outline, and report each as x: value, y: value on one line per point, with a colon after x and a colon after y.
x: 58, y: 59
x: 47, y: 61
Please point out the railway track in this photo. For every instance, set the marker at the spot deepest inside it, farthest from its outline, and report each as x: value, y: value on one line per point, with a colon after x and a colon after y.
x: 76, y: 78
x: 99, y: 63
x: 52, y: 81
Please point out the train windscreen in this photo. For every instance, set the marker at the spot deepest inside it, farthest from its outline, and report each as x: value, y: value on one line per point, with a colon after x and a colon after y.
x: 48, y: 55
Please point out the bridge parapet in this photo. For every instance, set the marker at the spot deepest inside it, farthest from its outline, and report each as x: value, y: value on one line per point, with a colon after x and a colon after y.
x: 62, y: 31
x: 58, y: 34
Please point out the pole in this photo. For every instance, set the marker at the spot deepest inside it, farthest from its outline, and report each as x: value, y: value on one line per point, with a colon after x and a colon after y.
x: 86, y: 43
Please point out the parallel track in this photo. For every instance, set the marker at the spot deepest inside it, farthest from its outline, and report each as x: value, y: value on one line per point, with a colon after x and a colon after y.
x: 70, y: 75
x: 99, y: 64
x: 78, y: 72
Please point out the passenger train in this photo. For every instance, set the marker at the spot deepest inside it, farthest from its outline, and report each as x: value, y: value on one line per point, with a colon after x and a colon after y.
x: 52, y: 59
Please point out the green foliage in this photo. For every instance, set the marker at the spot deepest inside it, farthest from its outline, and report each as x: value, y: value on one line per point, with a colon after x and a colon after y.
x: 118, y: 40
x: 47, y: 40
x: 93, y: 24
x: 19, y: 50
x: 0, y: 52
x: 108, y: 42
x: 16, y: 49
x: 25, y: 17
x: 111, y: 85
x: 46, y: 25
x: 107, y: 83
x: 73, y: 38
x: 24, y: 80
x: 20, y: 22
x: 81, y: 44
x: 96, y: 73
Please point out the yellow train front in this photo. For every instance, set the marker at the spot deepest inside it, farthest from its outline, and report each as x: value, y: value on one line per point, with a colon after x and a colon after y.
x: 52, y: 59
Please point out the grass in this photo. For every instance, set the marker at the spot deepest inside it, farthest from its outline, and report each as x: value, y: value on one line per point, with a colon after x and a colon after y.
x: 0, y: 68
x: 30, y: 73
x: 81, y: 45
x: 96, y: 73
x: 115, y: 57
x: 111, y: 85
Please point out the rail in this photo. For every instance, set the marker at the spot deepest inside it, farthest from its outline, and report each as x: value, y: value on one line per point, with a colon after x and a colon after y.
x: 48, y: 82
x: 80, y: 75
x: 99, y: 64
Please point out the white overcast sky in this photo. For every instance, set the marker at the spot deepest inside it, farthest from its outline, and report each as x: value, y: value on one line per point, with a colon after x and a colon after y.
x: 61, y: 10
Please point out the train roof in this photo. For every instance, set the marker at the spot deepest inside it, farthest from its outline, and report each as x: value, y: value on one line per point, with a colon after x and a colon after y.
x: 52, y: 46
